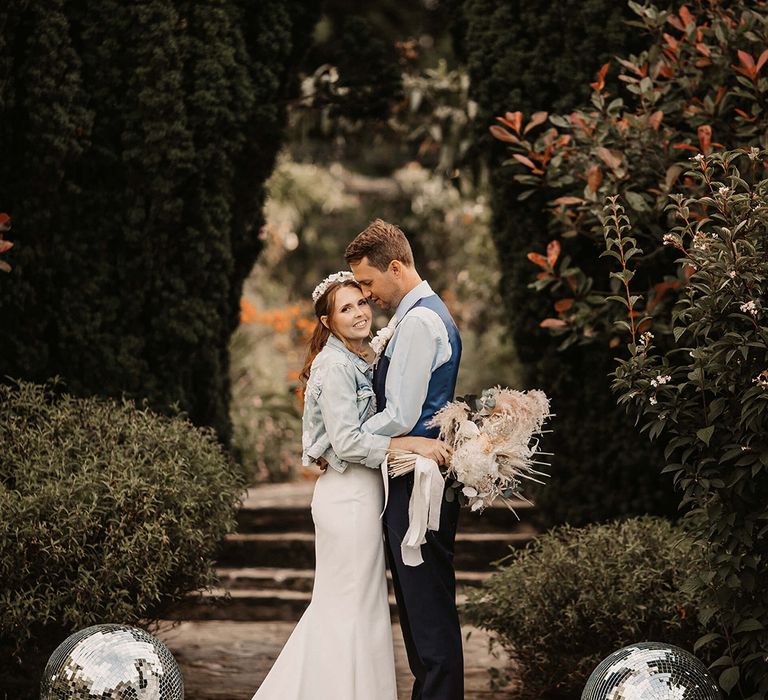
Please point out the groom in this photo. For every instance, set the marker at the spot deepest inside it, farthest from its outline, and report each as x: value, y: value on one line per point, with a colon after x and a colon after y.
x: 415, y: 377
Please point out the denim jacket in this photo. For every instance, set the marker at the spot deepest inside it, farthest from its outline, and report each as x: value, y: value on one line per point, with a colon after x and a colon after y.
x: 338, y: 399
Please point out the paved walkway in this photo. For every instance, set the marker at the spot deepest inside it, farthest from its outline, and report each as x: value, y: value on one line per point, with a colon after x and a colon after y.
x: 226, y: 655
x: 226, y: 660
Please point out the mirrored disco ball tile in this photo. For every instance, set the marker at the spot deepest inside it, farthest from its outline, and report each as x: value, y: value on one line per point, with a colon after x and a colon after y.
x: 651, y: 671
x: 112, y: 662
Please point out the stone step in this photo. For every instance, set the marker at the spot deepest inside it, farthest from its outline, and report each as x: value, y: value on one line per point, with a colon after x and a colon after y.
x: 301, y: 580
x: 252, y: 605
x: 473, y: 551
x: 281, y: 518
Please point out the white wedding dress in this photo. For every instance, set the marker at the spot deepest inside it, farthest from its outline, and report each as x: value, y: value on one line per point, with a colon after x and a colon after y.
x: 341, y: 649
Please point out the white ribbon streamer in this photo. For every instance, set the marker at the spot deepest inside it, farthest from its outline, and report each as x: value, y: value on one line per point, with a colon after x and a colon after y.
x: 423, y: 509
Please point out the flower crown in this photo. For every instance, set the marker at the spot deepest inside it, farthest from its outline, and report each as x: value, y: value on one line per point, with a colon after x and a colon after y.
x: 341, y: 276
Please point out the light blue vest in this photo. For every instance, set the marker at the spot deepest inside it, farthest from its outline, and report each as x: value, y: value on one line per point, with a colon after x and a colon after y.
x: 442, y: 383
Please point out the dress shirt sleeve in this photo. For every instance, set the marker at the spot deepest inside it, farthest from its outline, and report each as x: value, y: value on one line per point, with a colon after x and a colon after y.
x: 338, y: 406
x: 421, y: 345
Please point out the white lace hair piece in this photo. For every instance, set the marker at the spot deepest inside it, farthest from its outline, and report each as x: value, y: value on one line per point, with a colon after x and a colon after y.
x: 341, y: 276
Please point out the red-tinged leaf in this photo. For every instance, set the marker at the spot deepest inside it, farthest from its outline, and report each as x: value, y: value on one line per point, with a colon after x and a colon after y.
x: 571, y: 280
x: 505, y: 122
x: 525, y: 161
x: 675, y: 22
x: 688, y: 271
x: 743, y: 114
x: 703, y: 49
x: 705, y: 137
x: 631, y: 66
x: 614, y: 342
x: 686, y: 16
x: 761, y: 61
x: 536, y: 119
x: 746, y: 59
x: 685, y: 146
x: 553, y: 253
x: 594, y: 177
x: 599, y: 84
x: 569, y: 200
x: 553, y: 323
x: 502, y: 134
x: 538, y: 259
x: 655, y: 119
x: 671, y: 42
x: 562, y: 305
x: 5, y: 222
x: 610, y: 158
x: 666, y: 71
x: 749, y: 72
x: 4, y: 266
x: 515, y: 119
x: 542, y: 275
x: 5, y: 245
x: 722, y: 92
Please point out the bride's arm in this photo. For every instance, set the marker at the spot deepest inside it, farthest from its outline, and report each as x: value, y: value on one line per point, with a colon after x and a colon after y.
x: 338, y: 406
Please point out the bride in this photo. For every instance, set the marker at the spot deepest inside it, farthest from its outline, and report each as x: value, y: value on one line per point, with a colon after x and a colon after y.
x: 341, y: 648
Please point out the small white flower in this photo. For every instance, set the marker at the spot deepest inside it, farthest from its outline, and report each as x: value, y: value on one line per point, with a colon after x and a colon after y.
x: 749, y: 307
x: 382, y: 337
x: 671, y: 239
x: 762, y: 379
x: 700, y: 241
x: 724, y: 191
x: 732, y: 274
x: 653, y: 401
x: 646, y: 338
x: 754, y: 152
x: 663, y: 379
x: 699, y: 157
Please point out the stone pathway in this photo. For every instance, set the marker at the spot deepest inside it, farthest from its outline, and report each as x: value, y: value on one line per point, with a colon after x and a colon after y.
x: 227, y: 660
x: 226, y: 640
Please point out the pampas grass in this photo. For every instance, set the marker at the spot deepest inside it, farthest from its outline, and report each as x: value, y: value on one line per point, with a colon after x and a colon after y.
x: 494, y: 441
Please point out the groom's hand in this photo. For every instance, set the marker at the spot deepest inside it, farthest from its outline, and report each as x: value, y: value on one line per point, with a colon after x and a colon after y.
x: 437, y: 450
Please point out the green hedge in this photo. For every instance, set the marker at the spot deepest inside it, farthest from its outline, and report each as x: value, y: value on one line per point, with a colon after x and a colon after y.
x: 135, y: 141
x: 573, y: 596
x: 542, y: 56
x: 107, y: 514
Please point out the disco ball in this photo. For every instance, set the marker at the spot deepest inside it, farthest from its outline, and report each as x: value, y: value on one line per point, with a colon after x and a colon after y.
x: 112, y: 662
x: 650, y: 671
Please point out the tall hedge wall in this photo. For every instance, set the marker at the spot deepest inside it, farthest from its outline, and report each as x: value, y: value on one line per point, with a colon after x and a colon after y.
x: 135, y: 141
x: 542, y: 56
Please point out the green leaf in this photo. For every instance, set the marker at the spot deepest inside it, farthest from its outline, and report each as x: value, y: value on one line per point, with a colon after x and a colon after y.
x: 705, y: 434
x: 729, y: 678
x: 706, y: 639
x: 750, y: 625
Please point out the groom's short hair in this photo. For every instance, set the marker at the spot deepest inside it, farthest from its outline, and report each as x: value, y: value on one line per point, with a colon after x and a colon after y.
x: 381, y: 243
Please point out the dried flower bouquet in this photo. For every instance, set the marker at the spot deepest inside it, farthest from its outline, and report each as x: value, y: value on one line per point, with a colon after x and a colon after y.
x: 494, y: 443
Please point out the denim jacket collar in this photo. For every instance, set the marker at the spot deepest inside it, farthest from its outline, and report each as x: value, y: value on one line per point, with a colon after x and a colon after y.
x: 334, y: 343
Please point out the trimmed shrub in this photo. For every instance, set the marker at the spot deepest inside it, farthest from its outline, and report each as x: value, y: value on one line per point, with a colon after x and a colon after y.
x: 573, y: 596
x: 107, y: 514
x: 135, y: 141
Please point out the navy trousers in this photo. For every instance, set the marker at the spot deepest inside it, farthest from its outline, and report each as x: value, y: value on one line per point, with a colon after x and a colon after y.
x: 426, y: 598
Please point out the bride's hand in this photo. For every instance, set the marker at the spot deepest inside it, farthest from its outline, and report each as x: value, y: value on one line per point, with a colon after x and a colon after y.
x: 437, y: 450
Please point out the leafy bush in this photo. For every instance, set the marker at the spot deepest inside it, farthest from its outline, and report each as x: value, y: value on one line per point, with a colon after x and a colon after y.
x: 108, y: 514
x: 573, y: 596
x: 706, y: 397
x: 541, y: 56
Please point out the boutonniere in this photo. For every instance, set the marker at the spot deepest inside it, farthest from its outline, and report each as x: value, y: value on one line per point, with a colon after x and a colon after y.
x: 380, y: 340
